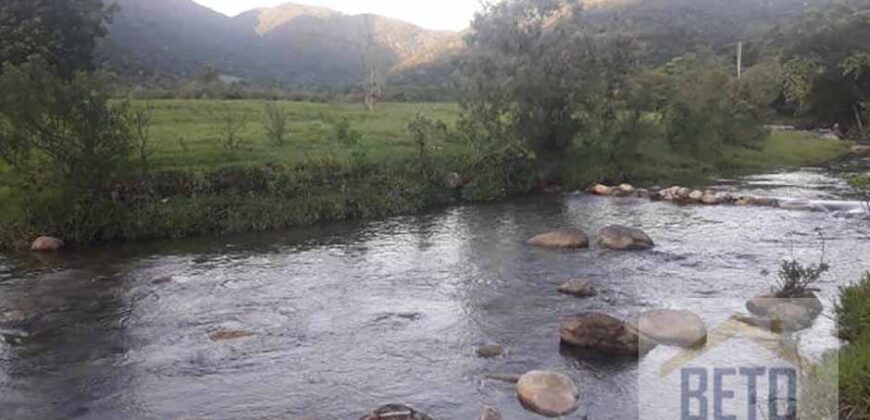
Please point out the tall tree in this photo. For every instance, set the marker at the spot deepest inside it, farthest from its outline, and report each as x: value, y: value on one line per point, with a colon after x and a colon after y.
x: 63, y: 33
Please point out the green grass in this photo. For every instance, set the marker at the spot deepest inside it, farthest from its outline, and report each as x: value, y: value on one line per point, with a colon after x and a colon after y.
x: 186, y: 133
x: 788, y: 149
x: 853, y: 319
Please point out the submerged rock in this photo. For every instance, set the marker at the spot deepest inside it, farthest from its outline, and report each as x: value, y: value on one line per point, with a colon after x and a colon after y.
x: 624, y: 238
x: 395, y: 412
x: 225, y: 334
x: 46, y: 244
x: 567, y: 238
x: 673, y: 327
x: 601, y: 332
x: 490, y: 351
x: 489, y: 413
x: 758, y: 201
x: 578, y: 288
x: 550, y: 394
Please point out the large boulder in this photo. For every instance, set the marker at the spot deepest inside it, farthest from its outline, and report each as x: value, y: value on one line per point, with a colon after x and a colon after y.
x: 489, y: 351
x: 790, y: 313
x: 549, y: 394
x: 762, y: 305
x: 46, y: 244
x: 578, y: 288
x: 624, y: 238
x: 395, y: 412
x: 601, y: 332
x: 566, y: 238
x: 673, y: 328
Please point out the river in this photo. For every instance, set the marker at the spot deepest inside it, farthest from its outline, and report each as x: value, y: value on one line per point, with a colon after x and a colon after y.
x: 350, y: 316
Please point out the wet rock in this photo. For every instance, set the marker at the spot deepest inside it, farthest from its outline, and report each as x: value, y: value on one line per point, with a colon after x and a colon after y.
x: 624, y: 238
x: 490, y: 351
x: 673, y: 327
x: 453, y: 181
x: 503, y: 377
x: 696, y: 196
x: 600, y: 332
x: 489, y: 413
x: 762, y: 305
x: 395, y: 412
x: 627, y: 188
x: 600, y: 189
x: 226, y: 335
x: 162, y: 280
x: 861, y: 151
x: 578, y: 288
x: 46, y: 244
x: 550, y: 394
x: 711, y: 199
x: 758, y: 201
x: 567, y: 238
x: 790, y: 317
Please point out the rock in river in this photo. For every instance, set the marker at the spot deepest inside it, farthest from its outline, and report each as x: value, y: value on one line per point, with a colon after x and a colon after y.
x: 549, y: 394
x: 790, y: 313
x: 624, y: 238
x: 566, y: 238
x: 601, y: 332
x: 490, y: 351
x: 225, y: 335
x: 673, y: 328
x: 46, y: 244
x: 489, y: 413
x: 395, y: 412
x: 578, y: 288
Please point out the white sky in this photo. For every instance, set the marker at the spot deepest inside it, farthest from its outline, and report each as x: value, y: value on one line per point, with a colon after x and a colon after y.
x: 431, y: 14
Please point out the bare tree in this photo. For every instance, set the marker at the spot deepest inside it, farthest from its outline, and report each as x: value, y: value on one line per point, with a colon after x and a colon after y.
x: 371, y: 86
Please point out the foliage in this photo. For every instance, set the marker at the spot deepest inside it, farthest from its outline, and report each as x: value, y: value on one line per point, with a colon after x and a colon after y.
x: 275, y: 126
x: 231, y: 123
x: 860, y: 184
x: 853, y: 310
x: 345, y: 134
x: 62, y: 33
x: 796, y: 280
x: 59, y: 133
x: 140, y: 120
x: 424, y: 131
x: 826, y: 61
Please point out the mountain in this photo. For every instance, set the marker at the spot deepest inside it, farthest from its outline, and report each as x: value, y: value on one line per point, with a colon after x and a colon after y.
x: 291, y: 44
x: 305, y: 45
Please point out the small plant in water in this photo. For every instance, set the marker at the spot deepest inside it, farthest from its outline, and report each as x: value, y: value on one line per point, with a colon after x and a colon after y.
x: 796, y: 280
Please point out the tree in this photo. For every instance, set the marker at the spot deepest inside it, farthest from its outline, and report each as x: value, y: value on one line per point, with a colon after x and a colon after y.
x: 61, y: 133
x: 62, y: 32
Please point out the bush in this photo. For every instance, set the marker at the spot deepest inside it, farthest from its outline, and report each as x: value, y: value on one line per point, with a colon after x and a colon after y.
x: 275, y: 125
x: 61, y: 135
x: 345, y: 134
x: 231, y: 124
x: 853, y: 310
x: 795, y: 279
x: 855, y: 379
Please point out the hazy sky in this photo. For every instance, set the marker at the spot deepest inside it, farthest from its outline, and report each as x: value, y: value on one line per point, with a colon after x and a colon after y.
x: 432, y: 14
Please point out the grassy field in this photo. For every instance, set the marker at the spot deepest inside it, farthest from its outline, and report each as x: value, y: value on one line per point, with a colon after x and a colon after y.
x: 197, y: 185
x: 187, y: 133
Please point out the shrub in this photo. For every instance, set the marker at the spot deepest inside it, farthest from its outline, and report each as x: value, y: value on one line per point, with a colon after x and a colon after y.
x: 795, y: 279
x: 61, y: 133
x: 231, y: 124
x: 855, y: 379
x: 853, y: 310
x: 275, y: 125
x: 345, y: 134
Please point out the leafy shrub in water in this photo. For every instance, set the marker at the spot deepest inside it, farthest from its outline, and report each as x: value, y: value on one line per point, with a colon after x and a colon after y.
x: 795, y: 279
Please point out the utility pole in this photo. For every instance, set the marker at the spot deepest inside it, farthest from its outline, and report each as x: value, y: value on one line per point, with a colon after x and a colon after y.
x: 739, y: 59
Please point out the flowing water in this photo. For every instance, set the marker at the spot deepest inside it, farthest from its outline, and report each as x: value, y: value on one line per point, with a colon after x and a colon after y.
x: 350, y: 316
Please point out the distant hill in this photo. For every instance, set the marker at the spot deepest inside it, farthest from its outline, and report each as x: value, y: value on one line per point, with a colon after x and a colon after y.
x: 291, y: 44
x: 305, y: 45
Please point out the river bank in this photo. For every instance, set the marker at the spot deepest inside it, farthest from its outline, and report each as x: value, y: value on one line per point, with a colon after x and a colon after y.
x: 177, y: 202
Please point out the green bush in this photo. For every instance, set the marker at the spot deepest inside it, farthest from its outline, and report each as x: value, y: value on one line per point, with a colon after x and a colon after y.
x: 853, y: 310
x: 855, y: 379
